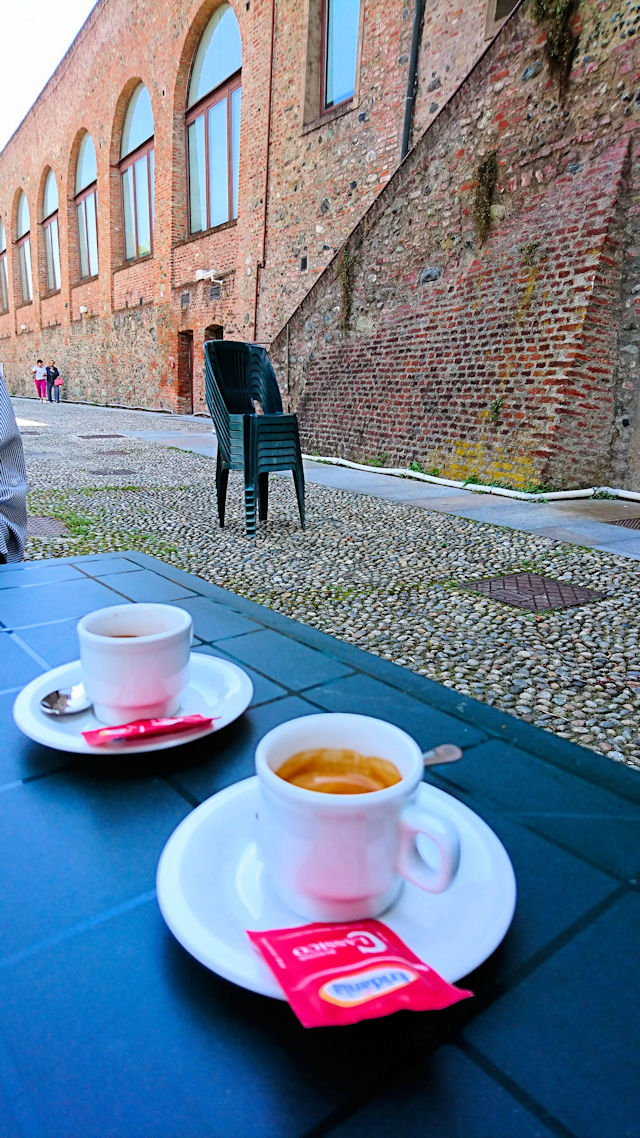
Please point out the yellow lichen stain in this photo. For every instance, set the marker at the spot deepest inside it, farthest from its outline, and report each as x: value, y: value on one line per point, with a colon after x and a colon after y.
x: 463, y: 460
x: 527, y: 295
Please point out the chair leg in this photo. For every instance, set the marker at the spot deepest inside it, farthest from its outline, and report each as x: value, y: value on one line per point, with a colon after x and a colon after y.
x: 222, y: 477
x: 263, y: 484
x: 250, y: 510
x: 298, y: 479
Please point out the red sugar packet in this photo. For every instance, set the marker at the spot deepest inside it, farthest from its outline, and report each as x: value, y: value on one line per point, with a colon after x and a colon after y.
x: 338, y: 974
x: 143, y: 728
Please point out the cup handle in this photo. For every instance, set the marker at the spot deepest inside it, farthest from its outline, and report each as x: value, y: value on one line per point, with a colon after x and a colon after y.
x: 410, y: 864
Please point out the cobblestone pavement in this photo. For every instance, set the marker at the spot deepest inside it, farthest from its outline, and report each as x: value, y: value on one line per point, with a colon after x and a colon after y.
x: 378, y: 574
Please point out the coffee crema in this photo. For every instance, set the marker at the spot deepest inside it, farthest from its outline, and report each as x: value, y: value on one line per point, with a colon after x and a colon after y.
x: 337, y: 770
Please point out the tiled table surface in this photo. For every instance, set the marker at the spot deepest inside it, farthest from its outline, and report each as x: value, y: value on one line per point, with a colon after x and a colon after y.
x: 109, y: 1027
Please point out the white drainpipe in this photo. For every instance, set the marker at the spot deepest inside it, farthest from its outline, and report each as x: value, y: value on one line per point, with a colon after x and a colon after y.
x: 552, y: 496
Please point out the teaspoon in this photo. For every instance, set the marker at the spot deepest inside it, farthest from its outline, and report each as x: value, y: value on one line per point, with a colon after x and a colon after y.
x: 66, y: 701
x: 445, y: 753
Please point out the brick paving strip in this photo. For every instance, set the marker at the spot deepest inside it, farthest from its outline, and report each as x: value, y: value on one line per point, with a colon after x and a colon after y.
x: 533, y: 592
x: 392, y: 579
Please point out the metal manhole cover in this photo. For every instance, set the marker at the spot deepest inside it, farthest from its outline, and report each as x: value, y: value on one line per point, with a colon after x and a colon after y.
x: 630, y: 523
x: 102, y: 436
x: 111, y: 453
x: 104, y: 473
x: 533, y: 592
x: 31, y: 432
x: 40, y: 526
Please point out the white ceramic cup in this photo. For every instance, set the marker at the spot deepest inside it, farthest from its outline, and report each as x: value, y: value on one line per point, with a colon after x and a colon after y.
x: 335, y: 857
x: 135, y: 660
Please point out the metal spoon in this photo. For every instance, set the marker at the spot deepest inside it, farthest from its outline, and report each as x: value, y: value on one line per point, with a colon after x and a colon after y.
x: 66, y: 701
x: 445, y: 753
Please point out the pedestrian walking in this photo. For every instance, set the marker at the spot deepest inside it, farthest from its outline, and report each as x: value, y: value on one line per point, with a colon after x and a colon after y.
x: 54, y: 382
x: 39, y: 373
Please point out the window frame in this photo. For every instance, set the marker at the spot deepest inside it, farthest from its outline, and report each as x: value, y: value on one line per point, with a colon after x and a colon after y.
x: 49, y: 259
x: 4, y: 283
x: 225, y: 90
x: 324, y: 44
x: 24, y: 260
x: 4, y: 276
x: 145, y: 149
x: 494, y: 23
x: 80, y: 199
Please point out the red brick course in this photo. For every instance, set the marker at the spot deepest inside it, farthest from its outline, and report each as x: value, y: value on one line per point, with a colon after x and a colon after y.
x: 303, y: 185
x: 516, y: 360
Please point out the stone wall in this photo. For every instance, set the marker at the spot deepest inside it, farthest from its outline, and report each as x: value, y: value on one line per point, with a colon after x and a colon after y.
x: 514, y: 358
x: 305, y: 180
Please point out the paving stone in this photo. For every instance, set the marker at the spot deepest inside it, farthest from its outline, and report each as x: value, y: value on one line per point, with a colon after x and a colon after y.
x: 379, y: 565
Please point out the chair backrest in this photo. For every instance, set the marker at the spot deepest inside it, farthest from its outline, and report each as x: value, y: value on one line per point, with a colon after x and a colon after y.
x: 243, y: 372
x: 216, y: 403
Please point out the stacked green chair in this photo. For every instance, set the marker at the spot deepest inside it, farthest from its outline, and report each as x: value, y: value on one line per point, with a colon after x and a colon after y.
x: 236, y: 374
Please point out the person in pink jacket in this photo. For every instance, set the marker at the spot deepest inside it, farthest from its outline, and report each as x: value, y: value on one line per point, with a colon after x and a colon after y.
x: 39, y: 373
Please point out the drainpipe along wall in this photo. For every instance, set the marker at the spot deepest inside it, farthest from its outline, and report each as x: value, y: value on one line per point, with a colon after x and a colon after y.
x: 411, y: 77
x: 260, y: 264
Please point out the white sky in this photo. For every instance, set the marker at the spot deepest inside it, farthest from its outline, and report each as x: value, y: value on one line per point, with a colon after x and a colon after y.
x: 35, y: 36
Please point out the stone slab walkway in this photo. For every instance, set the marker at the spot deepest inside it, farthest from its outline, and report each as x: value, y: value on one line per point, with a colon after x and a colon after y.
x: 383, y: 562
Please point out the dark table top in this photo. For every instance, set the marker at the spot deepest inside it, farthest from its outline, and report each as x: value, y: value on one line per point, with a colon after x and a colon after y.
x: 109, y: 1027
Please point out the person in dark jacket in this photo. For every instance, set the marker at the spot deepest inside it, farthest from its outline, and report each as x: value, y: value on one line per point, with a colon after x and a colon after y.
x: 52, y: 375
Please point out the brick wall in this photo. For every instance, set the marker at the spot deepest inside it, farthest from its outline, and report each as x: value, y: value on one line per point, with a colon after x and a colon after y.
x: 514, y: 360
x: 304, y: 182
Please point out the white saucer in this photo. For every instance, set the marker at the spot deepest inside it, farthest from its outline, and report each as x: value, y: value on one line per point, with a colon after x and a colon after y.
x: 210, y: 887
x: 216, y: 687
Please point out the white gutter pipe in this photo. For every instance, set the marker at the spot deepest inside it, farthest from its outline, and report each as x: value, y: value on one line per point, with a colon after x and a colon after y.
x: 478, y: 488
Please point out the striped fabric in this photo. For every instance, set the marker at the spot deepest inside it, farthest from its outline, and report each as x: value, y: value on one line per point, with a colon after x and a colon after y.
x: 13, y: 483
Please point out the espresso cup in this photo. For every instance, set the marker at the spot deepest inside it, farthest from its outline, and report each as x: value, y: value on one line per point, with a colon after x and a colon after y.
x: 345, y: 856
x: 135, y: 660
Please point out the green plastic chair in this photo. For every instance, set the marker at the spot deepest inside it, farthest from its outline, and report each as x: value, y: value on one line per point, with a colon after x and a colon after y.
x: 235, y: 375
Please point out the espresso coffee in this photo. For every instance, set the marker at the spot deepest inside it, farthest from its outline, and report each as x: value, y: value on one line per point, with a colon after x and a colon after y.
x: 336, y: 770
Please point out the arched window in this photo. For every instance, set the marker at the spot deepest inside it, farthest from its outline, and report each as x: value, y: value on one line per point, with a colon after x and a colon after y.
x: 50, y: 229
x: 213, y: 123
x: 23, y: 234
x: 86, y: 207
x: 136, y: 168
x: 4, y: 287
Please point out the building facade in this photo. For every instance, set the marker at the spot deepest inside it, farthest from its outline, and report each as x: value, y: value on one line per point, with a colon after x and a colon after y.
x: 191, y: 168
x: 482, y: 321
x: 309, y: 174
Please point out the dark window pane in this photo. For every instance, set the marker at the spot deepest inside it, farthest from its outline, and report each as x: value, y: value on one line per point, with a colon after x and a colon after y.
x: 504, y: 7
